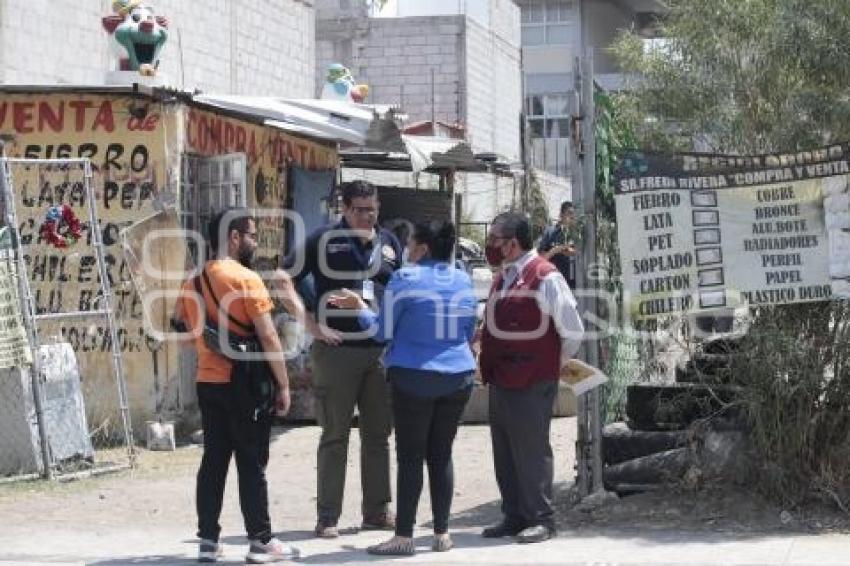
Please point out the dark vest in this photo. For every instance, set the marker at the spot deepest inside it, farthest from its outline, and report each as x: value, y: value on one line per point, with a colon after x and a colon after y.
x: 515, y: 362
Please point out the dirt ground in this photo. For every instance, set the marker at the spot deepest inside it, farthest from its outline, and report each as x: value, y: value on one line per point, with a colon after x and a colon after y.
x: 146, y: 516
x: 159, y: 495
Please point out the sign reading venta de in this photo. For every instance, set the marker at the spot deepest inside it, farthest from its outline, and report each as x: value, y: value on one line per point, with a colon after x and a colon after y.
x: 701, y: 231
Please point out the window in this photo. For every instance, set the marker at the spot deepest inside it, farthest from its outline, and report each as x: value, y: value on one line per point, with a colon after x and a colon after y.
x: 549, y: 127
x: 548, y: 109
x: 548, y: 22
x: 534, y: 105
x: 210, y: 184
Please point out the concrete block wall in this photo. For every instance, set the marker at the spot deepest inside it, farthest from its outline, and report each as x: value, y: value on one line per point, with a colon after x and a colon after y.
x: 260, y: 47
x: 332, y: 9
x: 394, y: 56
x: 477, y: 69
x: 53, y: 42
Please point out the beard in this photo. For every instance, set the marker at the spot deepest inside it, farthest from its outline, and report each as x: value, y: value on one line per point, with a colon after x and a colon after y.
x: 245, y: 257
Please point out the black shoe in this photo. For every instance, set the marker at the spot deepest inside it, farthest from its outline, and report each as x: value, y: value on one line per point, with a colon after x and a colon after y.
x: 326, y: 528
x: 537, y: 533
x: 382, y: 522
x: 503, y: 529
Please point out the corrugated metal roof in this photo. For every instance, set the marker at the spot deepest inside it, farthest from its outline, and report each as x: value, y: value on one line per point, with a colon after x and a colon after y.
x: 349, y: 124
x: 371, y: 128
x: 338, y: 122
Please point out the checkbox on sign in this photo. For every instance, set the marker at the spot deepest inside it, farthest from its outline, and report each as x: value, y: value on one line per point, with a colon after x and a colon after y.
x: 710, y: 299
x: 709, y: 256
x: 704, y: 198
x: 706, y: 217
x: 710, y: 277
x: 705, y: 236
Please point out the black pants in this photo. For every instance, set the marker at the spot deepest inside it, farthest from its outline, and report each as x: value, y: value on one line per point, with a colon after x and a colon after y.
x: 522, y: 454
x: 425, y: 430
x: 225, y: 434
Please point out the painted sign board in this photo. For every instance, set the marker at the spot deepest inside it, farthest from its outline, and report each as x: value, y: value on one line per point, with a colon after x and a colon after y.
x: 699, y: 232
x: 136, y: 146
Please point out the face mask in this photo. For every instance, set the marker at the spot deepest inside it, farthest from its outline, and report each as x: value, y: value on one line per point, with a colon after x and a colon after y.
x: 494, y: 255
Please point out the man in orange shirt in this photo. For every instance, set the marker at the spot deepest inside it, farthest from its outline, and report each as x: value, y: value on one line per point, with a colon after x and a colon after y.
x: 236, y: 299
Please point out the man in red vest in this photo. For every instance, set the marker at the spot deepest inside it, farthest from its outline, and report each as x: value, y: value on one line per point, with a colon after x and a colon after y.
x: 531, y: 324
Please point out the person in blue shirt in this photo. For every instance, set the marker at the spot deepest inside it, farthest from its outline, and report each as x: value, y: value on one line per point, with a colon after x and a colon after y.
x: 428, y: 317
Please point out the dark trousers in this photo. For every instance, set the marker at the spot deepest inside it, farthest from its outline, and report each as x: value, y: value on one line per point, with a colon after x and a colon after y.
x: 226, y: 434
x: 425, y: 430
x: 522, y: 454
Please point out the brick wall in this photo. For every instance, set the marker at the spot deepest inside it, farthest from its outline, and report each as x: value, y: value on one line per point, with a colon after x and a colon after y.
x: 478, y: 80
x: 330, y: 9
x: 394, y: 56
x: 261, y: 47
x: 477, y: 69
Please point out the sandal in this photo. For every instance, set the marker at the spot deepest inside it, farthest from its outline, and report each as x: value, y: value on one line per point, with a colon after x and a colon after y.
x: 396, y: 546
x: 442, y: 543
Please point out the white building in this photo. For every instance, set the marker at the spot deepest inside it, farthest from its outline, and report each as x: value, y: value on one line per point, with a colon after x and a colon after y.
x: 258, y: 47
x: 551, y: 40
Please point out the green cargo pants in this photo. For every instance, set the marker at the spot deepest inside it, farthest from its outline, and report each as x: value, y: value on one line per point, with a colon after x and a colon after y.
x: 345, y: 377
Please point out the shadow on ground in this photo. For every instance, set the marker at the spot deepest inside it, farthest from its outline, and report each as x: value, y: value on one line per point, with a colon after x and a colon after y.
x: 673, y: 512
x: 161, y: 560
x: 670, y: 517
x: 349, y: 553
x: 358, y: 554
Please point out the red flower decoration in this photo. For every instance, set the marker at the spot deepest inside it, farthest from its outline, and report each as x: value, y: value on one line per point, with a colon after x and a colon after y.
x: 61, y: 227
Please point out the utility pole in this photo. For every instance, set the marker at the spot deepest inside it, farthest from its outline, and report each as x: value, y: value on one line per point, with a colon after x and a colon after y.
x: 589, y: 437
x: 526, y: 166
x: 591, y: 260
x: 433, y: 101
x: 525, y: 143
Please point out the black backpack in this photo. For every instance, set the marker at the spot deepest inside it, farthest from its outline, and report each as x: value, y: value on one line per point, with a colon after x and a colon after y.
x: 252, y: 380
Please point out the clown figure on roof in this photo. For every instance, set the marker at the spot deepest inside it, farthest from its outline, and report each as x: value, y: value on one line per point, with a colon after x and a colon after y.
x: 139, y: 33
x: 339, y: 85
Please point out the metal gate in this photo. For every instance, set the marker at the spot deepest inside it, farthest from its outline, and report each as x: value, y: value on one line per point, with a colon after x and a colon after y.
x: 47, y: 404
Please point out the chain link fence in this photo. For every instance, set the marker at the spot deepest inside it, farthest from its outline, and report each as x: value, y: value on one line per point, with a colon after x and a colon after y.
x: 63, y: 399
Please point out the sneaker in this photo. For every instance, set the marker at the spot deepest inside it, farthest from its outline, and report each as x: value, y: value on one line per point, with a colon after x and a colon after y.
x: 272, y: 551
x: 382, y: 522
x: 442, y: 543
x: 396, y: 546
x: 209, y: 550
x: 326, y: 529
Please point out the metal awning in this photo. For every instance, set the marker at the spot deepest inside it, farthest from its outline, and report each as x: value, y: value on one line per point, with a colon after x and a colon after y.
x: 442, y: 153
x: 349, y: 124
x: 371, y: 129
x: 369, y: 135
x: 432, y: 155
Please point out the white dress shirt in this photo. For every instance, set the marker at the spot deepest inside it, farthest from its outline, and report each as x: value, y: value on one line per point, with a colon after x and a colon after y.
x: 554, y: 299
